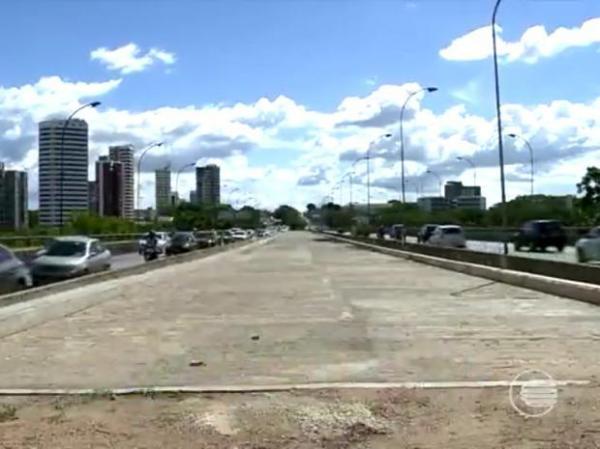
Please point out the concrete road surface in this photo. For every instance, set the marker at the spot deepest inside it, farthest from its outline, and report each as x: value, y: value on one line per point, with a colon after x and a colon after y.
x: 297, y: 309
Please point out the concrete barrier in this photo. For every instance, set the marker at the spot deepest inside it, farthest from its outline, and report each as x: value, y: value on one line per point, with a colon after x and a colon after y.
x: 37, y: 292
x: 554, y: 285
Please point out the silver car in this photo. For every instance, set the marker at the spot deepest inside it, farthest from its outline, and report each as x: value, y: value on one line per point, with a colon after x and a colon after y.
x: 588, y: 247
x: 67, y: 257
x: 449, y: 236
x: 14, y: 274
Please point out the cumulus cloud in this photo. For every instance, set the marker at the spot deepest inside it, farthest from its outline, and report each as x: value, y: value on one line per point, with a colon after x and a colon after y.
x: 129, y: 58
x: 315, y: 148
x: 535, y: 43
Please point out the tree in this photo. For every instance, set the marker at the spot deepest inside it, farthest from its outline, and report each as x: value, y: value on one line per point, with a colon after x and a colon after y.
x: 590, y: 187
x: 311, y: 207
x: 289, y: 217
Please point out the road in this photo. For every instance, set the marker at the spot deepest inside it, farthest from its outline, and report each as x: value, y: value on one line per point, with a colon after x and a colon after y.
x: 302, y: 309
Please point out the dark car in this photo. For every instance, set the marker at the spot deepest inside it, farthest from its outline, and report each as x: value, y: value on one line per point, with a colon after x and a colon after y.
x: 14, y: 274
x: 206, y: 239
x: 540, y: 234
x: 425, y: 232
x: 181, y: 242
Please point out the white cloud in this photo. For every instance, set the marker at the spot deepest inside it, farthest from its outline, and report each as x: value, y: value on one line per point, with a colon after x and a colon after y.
x: 129, y: 58
x: 309, y: 142
x: 535, y: 43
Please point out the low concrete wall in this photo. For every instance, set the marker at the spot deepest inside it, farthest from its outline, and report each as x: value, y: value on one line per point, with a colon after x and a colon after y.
x: 564, y: 270
x: 554, y: 285
x: 37, y: 292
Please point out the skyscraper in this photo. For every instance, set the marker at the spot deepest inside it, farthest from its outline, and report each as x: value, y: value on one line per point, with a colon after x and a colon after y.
x: 13, y: 199
x: 63, y: 179
x: 110, y: 186
x: 208, y: 184
x: 124, y: 154
x: 93, y: 196
x: 163, y: 189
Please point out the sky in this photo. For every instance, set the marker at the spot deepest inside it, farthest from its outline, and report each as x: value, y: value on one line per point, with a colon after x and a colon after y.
x: 286, y: 95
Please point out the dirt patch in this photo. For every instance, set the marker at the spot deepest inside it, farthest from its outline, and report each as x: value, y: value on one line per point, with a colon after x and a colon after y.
x: 330, y: 419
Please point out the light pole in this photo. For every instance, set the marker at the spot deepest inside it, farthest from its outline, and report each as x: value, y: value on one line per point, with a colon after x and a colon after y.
x: 92, y: 104
x: 385, y: 136
x: 499, y: 122
x: 425, y: 89
x: 438, y: 178
x: 349, y: 176
x: 191, y: 164
x: 516, y: 136
x: 472, y: 164
x: 139, y: 167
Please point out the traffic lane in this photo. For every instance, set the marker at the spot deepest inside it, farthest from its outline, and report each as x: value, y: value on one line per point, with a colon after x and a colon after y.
x: 300, y: 309
x: 126, y: 260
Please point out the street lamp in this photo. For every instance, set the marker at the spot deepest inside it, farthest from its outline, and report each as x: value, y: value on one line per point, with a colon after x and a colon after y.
x: 438, y: 178
x: 349, y: 176
x: 499, y: 122
x: 368, y: 158
x: 472, y: 164
x: 425, y: 89
x: 93, y: 104
x: 139, y: 166
x: 516, y: 136
x: 191, y: 164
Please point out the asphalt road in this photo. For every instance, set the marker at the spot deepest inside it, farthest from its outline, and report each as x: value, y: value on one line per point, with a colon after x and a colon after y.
x: 296, y: 309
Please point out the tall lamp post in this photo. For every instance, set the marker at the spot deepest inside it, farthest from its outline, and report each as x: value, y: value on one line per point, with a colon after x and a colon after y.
x: 191, y: 164
x: 425, y: 89
x: 139, y: 167
x: 368, y: 158
x: 92, y: 104
x: 472, y: 164
x: 349, y: 176
x: 438, y: 178
x: 499, y: 122
x: 516, y: 136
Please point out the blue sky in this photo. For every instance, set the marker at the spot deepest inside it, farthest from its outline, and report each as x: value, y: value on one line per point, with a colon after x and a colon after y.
x: 317, y: 54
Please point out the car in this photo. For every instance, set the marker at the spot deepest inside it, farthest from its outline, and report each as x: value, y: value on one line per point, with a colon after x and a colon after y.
x: 588, y: 247
x: 181, y: 242
x: 397, y: 231
x: 206, y: 239
x: 239, y: 235
x: 162, y: 241
x: 540, y: 234
x: 425, y: 232
x: 227, y: 236
x: 67, y: 257
x: 14, y: 274
x: 451, y: 236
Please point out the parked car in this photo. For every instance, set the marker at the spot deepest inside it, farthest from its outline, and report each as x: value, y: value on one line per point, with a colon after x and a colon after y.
x: 227, y: 236
x: 425, y: 232
x: 448, y: 236
x: 181, y: 242
x: 14, y: 274
x: 206, y: 239
x: 540, y: 234
x: 588, y: 247
x: 67, y: 257
x: 397, y: 231
x: 162, y: 242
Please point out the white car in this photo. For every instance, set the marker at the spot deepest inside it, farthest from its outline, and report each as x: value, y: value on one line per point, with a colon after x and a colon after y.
x: 588, y: 247
x: 450, y: 236
x: 238, y: 234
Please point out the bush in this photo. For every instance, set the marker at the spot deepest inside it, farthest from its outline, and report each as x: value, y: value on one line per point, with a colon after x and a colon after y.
x: 363, y: 230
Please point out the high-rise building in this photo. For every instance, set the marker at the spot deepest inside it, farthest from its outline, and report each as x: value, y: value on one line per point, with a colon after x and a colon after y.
x: 193, y: 197
x: 63, y: 178
x: 208, y: 184
x: 93, y: 196
x: 13, y: 199
x: 109, y: 180
x: 454, y: 189
x: 163, y: 189
x: 124, y: 155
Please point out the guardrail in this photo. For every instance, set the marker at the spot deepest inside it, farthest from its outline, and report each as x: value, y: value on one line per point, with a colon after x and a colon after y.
x: 589, y: 274
x: 30, y: 241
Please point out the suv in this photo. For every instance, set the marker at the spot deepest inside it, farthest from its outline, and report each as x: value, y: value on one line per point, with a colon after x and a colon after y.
x: 450, y: 236
x: 541, y: 234
x: 206, y: 239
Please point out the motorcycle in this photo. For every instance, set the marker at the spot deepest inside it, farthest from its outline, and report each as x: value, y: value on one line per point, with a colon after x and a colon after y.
x: 151, y: 252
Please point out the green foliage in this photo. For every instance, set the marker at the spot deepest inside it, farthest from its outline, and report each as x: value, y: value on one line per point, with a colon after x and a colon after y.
x: 589, y: 204
x: 189, y: 216
x: 363, y: 230
x: 290, y: 217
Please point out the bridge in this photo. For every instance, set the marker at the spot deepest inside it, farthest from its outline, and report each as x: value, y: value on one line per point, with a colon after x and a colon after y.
x: 304, y: 311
